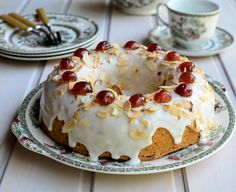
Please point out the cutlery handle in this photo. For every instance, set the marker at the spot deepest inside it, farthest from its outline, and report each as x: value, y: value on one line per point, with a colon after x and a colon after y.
x: 13, y: 22
x: 22, y: 19
x: 42, y: 15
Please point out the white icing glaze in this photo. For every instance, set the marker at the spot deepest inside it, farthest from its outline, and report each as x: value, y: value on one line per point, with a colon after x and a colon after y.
x: 116, y: 133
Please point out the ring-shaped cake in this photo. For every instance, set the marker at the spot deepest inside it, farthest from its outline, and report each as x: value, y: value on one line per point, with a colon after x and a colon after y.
x: 127, y: 102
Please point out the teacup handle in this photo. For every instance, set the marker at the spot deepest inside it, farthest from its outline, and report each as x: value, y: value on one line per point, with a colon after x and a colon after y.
x: 158, y: 17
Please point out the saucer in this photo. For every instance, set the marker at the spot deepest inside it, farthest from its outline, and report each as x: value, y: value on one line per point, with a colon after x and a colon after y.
x: 221, y: 41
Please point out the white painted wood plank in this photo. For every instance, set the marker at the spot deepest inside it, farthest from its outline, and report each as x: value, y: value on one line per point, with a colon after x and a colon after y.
x: 218, y: 172
x: 18, y: 77
x: 9, y: 6
x: 28, y: 171
x: 53, y: 6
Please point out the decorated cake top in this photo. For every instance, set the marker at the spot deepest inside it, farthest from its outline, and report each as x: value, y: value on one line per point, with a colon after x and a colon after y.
x: 115, y: 97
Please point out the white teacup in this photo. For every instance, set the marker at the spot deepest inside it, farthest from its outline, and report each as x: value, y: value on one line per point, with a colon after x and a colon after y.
x: 192, y: 22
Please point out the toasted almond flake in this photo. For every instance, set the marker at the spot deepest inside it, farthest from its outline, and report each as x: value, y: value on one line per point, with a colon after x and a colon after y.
x: 85, y: 99
x: 122, y: 62
x: 134, y: 115
x: 152, y: 56
x: 56, y: 78
x: 84, y: 122
x: 176, y: 112
x: 77, y: 115
x: 116, y: 89
x: 122, y: 70
x: 151, y: 109
x: 135, y: 70
x: 69, y: 126
x: 166, y: 108
x: 124, y: 85
x: 203, y: 99
x: 186, y: 115
x: 88, y: 107
x: 102, y: 114
x: 87, y: 59
x: 127, y: 106
x: 78, y: 67
x: 150, y: 65
x: 59, y: 93
x: 168, y: 86
x: 139, y: 134
x: 71, y: 85
x: 146, y: 123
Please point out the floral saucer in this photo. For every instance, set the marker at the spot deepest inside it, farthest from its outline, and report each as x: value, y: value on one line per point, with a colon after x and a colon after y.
x: 221, y: 41
x: 28, y: 132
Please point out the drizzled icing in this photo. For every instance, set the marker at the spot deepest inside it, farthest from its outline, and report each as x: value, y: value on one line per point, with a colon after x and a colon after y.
x: 114, y: 128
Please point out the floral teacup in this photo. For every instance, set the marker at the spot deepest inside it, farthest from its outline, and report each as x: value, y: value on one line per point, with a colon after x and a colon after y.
x: 137, y: 7
x: 192, y: 22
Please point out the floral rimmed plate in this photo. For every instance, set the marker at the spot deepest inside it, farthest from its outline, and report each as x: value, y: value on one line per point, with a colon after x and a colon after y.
x: 27, y: 130
x: 221, y: 41
x: 75, y: 31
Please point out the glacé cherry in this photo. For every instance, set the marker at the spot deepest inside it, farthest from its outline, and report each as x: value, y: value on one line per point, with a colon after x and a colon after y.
x: 105, y: 97
x: 187, y: 66
x: 69, y: 76
x: 172, y: 56
x: 153, y: 47
x: 66, y: 63
x: 132, y: 45
x: 137, y: 100
x: 184, y: 90
x: 103, y: 46
x: 82, y: 88
x: 80, y: 52
x: 162, y: 96
x: 187, y: 77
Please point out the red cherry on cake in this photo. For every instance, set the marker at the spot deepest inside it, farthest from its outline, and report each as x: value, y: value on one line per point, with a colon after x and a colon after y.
x: 183, y: 90
x: 66, y: 63
x: 80, y: 52
x: 162, y: 96
x: 81, y: 88
x: 132, y: 45
x: 103, y: 46
x: 153, y: 47
x: 187, y: 66
x: 105, y: 97
x: 172, y: 56
x: 69, y: 76
x: 137, y: 100
x: 187, y: 77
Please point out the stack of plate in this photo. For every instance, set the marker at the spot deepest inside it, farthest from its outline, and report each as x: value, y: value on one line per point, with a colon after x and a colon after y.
x: 76, y: 31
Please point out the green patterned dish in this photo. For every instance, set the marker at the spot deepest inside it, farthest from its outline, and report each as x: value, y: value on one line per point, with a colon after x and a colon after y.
x: 27, y: 130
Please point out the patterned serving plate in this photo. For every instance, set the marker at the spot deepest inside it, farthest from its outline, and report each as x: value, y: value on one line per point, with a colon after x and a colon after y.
x: 27, y: 130
x: 75, y: 31
x: 221, y: 41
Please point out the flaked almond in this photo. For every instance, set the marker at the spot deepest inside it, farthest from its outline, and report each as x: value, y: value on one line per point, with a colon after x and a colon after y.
x: 88, y: 107
x: 116, y: 89
x: 59, y: 93
x: 84, y: 122
x: 146, y: 123
x: 134, y: 115
x: 122, y: 62
x: 69, y: 126
x: 186, y: 115
x: 139, y: 134
x: 135, y: 70
x: 150, y: 65
x: 85, y: 99
x: 122, y: 70
x: 127, y: 106
x: 102, y: 114
x: 71, y: 84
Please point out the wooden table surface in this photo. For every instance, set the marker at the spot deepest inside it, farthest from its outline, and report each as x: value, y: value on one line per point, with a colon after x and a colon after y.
x: 22, y: 170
